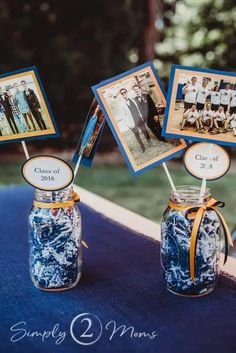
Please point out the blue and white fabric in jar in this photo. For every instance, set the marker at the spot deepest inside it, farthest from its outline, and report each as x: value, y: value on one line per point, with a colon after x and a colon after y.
x: 176, y: 230
x: 55, y: 240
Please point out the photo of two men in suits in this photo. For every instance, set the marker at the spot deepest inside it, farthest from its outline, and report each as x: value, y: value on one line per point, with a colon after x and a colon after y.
x: 133, y: 104
x: 139, y: 111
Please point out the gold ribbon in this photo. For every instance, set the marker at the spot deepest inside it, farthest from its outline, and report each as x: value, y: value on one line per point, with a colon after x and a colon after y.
x: 63, y: 204
x: 199, y: 211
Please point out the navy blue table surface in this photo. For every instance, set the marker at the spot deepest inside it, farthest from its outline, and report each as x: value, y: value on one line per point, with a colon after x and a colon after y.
x: 121, y: 284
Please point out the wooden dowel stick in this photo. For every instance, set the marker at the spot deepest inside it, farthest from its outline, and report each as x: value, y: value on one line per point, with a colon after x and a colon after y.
x: 25, y: 149
x: 204, y: 179
x: 169, y: 177
x: 77, y: 165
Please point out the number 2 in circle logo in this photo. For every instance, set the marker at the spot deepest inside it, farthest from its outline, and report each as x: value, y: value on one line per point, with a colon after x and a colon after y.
x: 86, y: 329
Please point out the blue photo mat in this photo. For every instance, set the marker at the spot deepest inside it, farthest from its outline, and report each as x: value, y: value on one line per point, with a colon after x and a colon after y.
x: 169, y: 96
x: 50, y: 135
x: 87, y: 161
x: 123, y: 152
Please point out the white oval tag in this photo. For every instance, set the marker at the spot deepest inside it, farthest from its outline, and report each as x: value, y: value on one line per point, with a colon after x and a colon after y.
x: 47, y: 173
x: 207, y: 160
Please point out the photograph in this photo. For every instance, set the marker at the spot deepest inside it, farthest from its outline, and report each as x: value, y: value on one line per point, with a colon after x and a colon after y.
x: 201, y: 105
x: 115, y: 237
x: 91, y: 133
x: 24, y: 111
x: 134, y: 104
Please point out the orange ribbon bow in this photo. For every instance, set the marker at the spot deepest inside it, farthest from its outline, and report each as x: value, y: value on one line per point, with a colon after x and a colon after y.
x: 200, y: 210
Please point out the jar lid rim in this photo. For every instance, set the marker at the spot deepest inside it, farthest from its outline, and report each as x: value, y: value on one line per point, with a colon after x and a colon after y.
x: 189, y: 194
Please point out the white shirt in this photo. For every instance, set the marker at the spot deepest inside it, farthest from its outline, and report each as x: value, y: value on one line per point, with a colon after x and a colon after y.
x: 126, y: 114
x: 233, y: 120
x: 190, y: 92
x: 191, y: 116
x: 220, y: 116
x: 225, y: 95
x: 215, y: 97
x: 207, y: 114
x: 202, y: 95
x: 233, y: 99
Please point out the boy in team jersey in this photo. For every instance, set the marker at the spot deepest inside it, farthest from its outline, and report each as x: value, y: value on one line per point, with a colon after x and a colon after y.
x: 191, y: 118
x: 220, y: 120
x: 232, y: 103
x: 202, y: 94
x: 225, y: 96
x: 232, y: 123
x: 190, y: 91
x: 206, y: 119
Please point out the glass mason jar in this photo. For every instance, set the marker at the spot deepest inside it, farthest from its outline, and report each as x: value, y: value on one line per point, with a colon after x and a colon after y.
x: 176, y: 228
x: 55, y: 240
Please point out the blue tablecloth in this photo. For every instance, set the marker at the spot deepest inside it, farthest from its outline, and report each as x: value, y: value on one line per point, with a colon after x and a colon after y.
x: 121, y: 283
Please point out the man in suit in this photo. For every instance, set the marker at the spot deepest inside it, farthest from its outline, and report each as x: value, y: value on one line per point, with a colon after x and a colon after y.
x: 24, y: 107
x: 34, y: 105
x: 4, y: 100
x: 133, y: 119
x: 148, y: 111
x: 16, y: 112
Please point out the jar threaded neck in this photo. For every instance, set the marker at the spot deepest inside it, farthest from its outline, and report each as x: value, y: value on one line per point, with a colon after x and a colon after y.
x: 189, y: 195
x: 54, y: 196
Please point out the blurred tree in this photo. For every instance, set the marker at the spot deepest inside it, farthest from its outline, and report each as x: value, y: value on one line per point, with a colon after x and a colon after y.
x: 197, y: 33
x: 74, y: 44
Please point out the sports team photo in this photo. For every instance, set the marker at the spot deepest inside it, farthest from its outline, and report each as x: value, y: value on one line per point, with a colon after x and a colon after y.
x: 23, y: 110
x: 202, y: 105
x: 134, y: 106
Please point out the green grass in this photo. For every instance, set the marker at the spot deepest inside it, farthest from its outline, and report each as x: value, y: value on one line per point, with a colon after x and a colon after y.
x: 10, y: 173
x: 146, y: 194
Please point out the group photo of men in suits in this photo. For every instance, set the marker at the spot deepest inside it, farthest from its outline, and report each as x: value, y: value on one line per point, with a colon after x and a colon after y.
x: 20, y: 109
x: 207, y: 106
x: 138, y: 110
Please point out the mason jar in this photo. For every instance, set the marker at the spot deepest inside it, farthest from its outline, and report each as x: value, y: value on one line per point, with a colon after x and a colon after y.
x: 176, y: 229
x: 55, y: 240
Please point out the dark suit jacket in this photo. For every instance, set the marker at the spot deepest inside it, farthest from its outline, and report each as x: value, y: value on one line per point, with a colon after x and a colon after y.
x: 32, y: 100
x: 6, y: 105
x: 135, y: 113
x: 2, y: 109
x: 147, y: 108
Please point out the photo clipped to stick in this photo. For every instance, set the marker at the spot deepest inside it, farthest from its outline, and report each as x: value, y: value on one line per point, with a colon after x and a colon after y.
x: 133, y: 104
x: 201, y: 105
x: 24, y: 110
x: 90, y: 136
